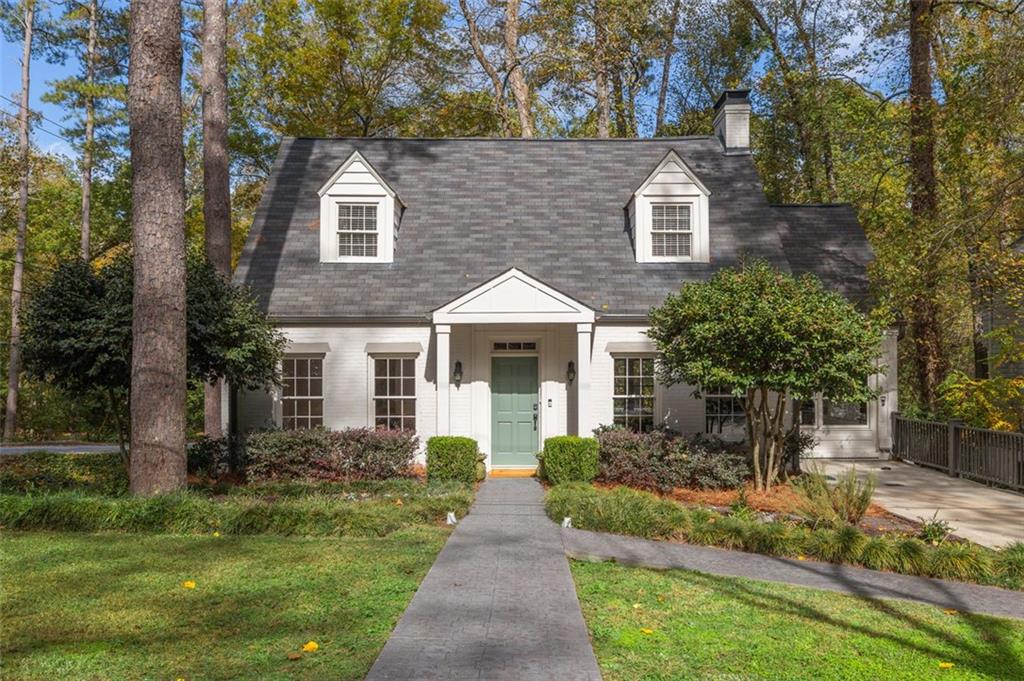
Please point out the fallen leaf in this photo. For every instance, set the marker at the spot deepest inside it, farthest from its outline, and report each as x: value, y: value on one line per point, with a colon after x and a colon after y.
x: 188, y: 584
x: 311, y: 647
x: 216, y: 534
x: 951, y: 611
x: 636, y: 606
x: 294, y: 656
x: 801, y: 557
x: 945, y: 665
x: 398, y: 502
x: 646, y: 631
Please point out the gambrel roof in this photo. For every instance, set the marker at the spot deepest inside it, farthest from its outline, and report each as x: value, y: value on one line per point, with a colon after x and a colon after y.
x: 474, y: 208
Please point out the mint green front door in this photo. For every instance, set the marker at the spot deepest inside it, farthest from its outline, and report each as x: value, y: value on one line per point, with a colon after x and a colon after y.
x: 514, y: 403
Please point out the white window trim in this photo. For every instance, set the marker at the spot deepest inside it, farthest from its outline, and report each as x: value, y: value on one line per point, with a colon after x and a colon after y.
x: 819, y: 418
x: 377, y: 192
x: 692, y: 193
x: 382, y: 237
x: 279, y: 392
x: 371, y: 397
x: 657, y: 395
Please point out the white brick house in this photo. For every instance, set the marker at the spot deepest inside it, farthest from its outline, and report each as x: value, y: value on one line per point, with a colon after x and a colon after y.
x: 499, y: 288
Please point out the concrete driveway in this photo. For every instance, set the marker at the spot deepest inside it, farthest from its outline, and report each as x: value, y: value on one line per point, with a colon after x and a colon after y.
x: 989, y: 516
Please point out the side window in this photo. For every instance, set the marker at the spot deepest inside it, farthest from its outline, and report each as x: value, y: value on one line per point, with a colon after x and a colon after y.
x: 394, y: 393
x: 302, y: 395
x: 633, y: 394
x: 723, y: 411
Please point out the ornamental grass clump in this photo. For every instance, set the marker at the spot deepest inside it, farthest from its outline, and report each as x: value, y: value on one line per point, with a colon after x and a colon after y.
x: 842, y: 545
x: 959, y: 561
x: 880, y: 553
x: 776, y: 539
x: 621, y: 511
x: 843, y: 504
x: 1009, y: 565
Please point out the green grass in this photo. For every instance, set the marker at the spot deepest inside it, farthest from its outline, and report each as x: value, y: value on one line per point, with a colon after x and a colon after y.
x: 706, y: 627
x: 113, y: 606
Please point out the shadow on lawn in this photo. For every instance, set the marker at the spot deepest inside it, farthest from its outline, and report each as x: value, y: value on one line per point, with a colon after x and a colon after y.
x: 996, y: 657
x: 249, y: 607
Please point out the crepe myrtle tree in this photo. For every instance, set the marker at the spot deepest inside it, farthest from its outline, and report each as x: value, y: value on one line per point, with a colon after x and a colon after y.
x: 78, y: 333
x: 772, y: 338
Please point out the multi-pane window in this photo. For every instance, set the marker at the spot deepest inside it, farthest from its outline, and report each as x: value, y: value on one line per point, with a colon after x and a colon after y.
x: 514, y: 346
x: 302, y: 395
x: 723, y: 411
x: 357, y: 230
x: 844, y: 413
x: 671, y: 232
x: 394, y: 393
x: 833, y: 413
x: 633, y: 400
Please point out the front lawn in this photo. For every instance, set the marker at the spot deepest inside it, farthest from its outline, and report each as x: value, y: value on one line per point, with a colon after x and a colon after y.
x: 113, y: 606
x: 684, y: 625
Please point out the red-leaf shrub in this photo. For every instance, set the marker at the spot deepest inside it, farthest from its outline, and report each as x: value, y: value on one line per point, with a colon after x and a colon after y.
x: 350, y: 454
x: 661, y: 460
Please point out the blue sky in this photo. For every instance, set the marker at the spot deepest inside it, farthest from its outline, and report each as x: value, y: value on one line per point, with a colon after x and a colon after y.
x: 42, y: 74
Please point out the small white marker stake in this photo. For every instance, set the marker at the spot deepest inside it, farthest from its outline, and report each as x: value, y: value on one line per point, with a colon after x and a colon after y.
x: 566, y: 521
x: 451, y: 518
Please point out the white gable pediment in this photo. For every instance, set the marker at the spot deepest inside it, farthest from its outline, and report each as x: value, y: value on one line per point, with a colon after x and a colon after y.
x: 357, y: 177
x: 671, y: 176
x: 513, y: 297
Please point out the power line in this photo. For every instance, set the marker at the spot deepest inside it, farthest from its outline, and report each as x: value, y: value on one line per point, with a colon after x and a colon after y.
x: 18, y: 104
x: 38, y: 127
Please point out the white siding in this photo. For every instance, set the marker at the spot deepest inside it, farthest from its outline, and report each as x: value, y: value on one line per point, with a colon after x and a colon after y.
x: 675, y: 407
x: 348, y: 375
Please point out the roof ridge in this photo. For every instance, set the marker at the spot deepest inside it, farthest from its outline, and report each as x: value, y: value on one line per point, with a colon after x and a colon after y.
x: 500, y: 139
x: 835, y: 204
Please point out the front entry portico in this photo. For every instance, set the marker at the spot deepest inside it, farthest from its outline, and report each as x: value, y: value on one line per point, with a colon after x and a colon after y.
x: 516, y: 354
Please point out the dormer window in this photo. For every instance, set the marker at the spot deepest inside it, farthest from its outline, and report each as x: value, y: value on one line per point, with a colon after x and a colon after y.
x: 357, y: 230
x: 668, y: 215
x: 358, y: 215
x: 671, y: 233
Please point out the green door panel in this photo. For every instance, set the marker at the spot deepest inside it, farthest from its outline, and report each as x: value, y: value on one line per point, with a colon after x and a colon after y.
x: 514, y: 404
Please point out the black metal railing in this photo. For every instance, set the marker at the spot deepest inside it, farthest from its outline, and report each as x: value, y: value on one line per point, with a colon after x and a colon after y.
x: 992, y: 456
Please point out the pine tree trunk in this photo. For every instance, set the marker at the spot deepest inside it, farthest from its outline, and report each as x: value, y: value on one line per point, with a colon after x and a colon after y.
x: 216, y: 181
x: 90, y: 122
x: 158, y: 229
x: 24, y: 160
x: 666, y: 67
x: 925, y: 327
x: 516, y: 79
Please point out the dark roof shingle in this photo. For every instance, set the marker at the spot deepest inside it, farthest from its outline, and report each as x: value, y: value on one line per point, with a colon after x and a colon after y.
x: 552, y: 208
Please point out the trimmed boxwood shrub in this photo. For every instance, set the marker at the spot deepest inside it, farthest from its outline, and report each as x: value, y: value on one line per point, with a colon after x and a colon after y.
x: 452, y: 457
x: 317, y: 454
x: 569, y: 458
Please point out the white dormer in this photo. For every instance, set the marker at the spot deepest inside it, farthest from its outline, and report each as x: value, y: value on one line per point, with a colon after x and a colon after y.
x: 669, y: 215
x: 359, y: 215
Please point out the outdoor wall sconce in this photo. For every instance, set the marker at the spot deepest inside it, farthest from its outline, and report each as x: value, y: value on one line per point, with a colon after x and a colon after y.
x: 457, y: 374
x: 570, y: 373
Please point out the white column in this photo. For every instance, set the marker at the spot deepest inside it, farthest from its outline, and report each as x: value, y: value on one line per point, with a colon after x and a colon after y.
x: 584, y: 426
x: 443, y: 332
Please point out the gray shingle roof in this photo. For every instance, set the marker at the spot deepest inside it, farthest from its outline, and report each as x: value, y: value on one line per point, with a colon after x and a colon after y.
x: 552, y: 208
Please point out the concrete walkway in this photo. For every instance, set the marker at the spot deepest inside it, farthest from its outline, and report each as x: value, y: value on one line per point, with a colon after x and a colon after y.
x: 989, y: 516
x: 584, y: 545
x: 499, y: 602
